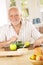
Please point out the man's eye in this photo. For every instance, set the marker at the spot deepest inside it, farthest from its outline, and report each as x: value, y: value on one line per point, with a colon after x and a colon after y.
x: 16, y: 15
x: 10, y: 15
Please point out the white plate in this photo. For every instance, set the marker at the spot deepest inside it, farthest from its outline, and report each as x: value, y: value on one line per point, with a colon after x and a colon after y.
x: 13, y: 53
x: 10, y: 53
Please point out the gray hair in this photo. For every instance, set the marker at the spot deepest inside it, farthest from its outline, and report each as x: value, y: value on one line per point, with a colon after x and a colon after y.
x: 15, y: 8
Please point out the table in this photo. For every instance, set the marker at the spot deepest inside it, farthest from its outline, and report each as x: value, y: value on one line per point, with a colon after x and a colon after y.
x: 21, y: 60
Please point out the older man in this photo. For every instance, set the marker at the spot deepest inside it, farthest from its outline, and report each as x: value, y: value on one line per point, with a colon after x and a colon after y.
x: 18, y: 30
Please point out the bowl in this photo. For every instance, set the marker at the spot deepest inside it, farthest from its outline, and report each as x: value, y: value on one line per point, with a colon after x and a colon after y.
x: 36, y: 62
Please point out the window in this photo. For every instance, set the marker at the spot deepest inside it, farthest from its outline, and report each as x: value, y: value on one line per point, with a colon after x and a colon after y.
x: 22, y: 5
x: 12, y: 3
x: 24, y: 8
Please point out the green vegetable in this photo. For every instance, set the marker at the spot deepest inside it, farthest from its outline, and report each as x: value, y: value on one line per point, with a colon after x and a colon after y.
x: 19, y: 44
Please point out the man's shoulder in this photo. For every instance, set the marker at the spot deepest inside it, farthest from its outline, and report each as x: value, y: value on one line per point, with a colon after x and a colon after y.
x: 4, y: 27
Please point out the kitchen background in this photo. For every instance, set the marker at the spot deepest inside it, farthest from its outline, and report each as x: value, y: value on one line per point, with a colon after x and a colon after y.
x: 30, y: 9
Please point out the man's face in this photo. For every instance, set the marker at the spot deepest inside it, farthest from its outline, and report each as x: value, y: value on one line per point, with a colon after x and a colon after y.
x: 14, y: 16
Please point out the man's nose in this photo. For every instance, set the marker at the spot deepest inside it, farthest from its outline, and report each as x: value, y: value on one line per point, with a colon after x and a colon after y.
x: 13, y: 17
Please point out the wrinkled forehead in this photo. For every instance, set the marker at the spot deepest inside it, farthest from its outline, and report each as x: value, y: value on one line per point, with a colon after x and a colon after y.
x: 13, y: 11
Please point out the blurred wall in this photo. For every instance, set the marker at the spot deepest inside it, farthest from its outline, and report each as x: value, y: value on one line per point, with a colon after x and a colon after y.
x: 3, y: 13
x: 34, y: 9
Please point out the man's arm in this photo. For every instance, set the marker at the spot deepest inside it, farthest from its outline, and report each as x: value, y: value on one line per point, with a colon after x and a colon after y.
x: 2, y: 44
x: 36, y: 35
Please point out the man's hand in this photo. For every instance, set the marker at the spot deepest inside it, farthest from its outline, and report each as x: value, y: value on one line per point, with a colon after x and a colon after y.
x: 5, y: 43
x: 36, y: 44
